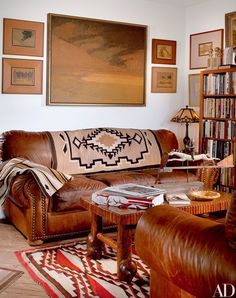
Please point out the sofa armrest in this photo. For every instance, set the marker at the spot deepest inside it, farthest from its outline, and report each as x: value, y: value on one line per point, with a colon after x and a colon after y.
x: 189, y: 251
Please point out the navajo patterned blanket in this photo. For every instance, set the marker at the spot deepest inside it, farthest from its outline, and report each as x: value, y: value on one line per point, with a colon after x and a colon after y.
x: 49, y: 180
x: 103, y: 149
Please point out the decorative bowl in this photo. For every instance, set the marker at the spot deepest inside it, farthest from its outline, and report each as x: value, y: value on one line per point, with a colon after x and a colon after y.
x: 204, y: 195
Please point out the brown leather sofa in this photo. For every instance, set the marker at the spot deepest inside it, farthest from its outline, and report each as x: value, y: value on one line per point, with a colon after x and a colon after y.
x: 188, y: 256
x: 40, y: 217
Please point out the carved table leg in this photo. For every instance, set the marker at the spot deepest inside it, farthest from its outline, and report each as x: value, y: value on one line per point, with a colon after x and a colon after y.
x: 126, y: 268
x: 94, y: 245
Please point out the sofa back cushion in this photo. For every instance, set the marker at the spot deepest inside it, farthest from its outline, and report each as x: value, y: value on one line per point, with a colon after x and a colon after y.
x: 96, y: 150
x: 230, y: 224
x: 33, y: 146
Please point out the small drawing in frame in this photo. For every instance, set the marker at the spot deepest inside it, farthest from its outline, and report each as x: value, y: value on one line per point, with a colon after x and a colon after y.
x: 163, y: 51
x: 200, y: 45
x: 230, y: 29
x: 164, y: 79
x: 194, y: 89
x: 21, y: 76
x: 22, y: 37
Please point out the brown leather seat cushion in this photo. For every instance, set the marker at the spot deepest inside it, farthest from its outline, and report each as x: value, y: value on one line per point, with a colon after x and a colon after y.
x: 177, y: 176
x: 230, y: 223
x: 122, y: 177
x: 68, y: 197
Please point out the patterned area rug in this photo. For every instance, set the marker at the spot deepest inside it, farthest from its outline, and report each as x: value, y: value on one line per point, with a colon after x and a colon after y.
x: 7, y: 277
x: 66, y: 271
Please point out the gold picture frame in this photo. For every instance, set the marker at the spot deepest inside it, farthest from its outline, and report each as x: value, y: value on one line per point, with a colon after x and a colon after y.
x: 230, y: 29
x: 163, y: 51
x: 95, y: 62
x: 22, y: 37
x: 194, y: 89
x: 164, y: 80
x: 201, y: 43
x: 21, y: 76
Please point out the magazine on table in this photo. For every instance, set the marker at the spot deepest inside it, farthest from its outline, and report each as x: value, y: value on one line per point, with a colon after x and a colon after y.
x: 129, y: 195
x: 177, y: 199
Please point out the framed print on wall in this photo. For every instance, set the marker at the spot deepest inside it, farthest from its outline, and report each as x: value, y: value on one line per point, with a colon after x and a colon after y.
x: 194, y: 89
x: 22, y: 76
x: 201, y: 43
x: 23, y: 37
x: 230, y: 29
x: 164, y: 79
x: 163, y: 51
x: 95, y: 62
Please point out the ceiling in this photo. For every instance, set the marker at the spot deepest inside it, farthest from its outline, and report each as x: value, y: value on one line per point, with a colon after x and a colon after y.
x: 183, y: 3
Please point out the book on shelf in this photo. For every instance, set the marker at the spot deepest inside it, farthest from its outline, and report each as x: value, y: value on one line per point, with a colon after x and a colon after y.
x: 130, y: 196
x: 177, y: 199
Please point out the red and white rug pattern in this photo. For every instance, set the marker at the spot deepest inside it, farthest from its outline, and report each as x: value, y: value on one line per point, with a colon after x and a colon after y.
x: 66, y: 271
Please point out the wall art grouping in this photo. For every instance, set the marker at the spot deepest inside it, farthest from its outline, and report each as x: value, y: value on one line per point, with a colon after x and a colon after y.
x: 25, y: 38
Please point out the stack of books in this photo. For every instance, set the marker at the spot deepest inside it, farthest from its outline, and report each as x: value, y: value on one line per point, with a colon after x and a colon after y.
x: 129, y: 196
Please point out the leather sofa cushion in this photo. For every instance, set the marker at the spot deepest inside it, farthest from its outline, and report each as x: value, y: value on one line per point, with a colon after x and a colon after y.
x: 230, y: 224
x: 123, y: 177
x: 68, y: 197
x: 177, y: 176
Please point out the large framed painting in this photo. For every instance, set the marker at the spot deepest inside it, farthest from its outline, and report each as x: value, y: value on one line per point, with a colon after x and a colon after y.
x: 95, y: 62
x: 22, y: 37
x: 230, y: 29
x: 163, y: 51
x: 22, y: 76
x: 201, y: 44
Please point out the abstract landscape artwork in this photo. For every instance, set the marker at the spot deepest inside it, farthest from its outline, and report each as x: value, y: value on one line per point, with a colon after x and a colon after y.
x: 95, y: 62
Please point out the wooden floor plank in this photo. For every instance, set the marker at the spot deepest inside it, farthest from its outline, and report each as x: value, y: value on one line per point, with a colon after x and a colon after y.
x: 24, y: 286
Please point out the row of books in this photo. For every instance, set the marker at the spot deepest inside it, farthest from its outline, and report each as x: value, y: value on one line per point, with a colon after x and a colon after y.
x: 220, y: 107
x: 221, y: 83
x: 227, y: 177
x: 217, y: 149
x: 219, y: 129
x: 136, y: 196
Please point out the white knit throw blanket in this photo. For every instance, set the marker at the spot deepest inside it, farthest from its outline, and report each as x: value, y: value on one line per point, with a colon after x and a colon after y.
x: 49, y: 180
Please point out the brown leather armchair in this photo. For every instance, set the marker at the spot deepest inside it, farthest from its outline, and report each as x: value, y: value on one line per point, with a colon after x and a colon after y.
x: 188, y: 256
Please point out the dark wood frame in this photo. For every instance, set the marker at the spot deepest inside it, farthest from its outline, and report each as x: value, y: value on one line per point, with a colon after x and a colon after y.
x: 9, y: 25
x: 7, y: 82
x: 107, y: 69
x: 214, y: 36
x: 163, y: 42
x: 229, y: 17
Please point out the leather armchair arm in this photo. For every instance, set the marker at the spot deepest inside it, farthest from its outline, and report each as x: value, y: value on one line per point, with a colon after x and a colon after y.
x: 189, y: 251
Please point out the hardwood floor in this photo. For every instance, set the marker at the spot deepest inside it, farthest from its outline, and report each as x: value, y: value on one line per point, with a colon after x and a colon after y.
x: 11, y: 240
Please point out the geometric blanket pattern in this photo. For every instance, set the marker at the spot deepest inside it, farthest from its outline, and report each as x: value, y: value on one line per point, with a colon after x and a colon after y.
x: 66, y: 271
x: 103, y: 149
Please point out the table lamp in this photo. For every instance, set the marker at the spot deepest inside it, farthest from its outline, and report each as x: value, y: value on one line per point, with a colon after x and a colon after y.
x: 186, y: 115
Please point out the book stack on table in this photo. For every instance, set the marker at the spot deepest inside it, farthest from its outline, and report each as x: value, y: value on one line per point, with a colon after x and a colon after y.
x: 129, y: 196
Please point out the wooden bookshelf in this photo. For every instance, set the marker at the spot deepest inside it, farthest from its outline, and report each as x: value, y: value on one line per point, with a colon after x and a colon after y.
x: 217, y: 127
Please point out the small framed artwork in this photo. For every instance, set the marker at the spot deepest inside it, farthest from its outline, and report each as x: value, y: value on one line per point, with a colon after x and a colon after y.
x: 163, y: 51
x: 194, y: 89
x: 201, y: 44
x: 164, y: 79
x: 21, y: 76
x: 230, y: 29
x: 23, y: 37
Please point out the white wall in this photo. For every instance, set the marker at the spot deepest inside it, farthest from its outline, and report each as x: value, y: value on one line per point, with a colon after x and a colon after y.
x: 206, y: 16
x: 29, y: 112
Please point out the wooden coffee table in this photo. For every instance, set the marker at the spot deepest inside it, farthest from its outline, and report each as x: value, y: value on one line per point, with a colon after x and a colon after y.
x: 126, y: 220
